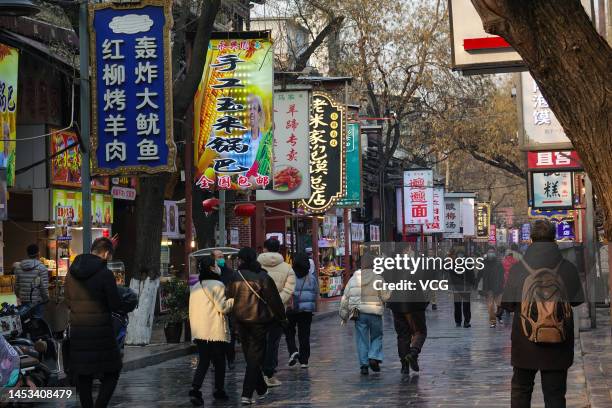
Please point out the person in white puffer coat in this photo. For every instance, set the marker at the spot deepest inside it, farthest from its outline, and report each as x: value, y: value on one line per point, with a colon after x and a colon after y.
x: 362, y: 300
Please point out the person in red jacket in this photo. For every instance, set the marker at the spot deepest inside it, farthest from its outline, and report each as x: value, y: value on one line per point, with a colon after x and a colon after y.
x: 512, y: 257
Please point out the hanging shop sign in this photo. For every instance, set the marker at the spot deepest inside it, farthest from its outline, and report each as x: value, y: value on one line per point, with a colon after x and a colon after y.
x: 557, y: 160
x: 170, y: 220
x: 452, y: 218
x: 327, y: 153
x: 514, y: 235
x: 9, y: 63
x: 66, y: 162
x: 501, y: 235
x: 525, y: 232
x: 540, y: 128
x: 550, y: 214
x: 353, y: 168
x: 483, y: 220
x: 357, y: 232
x: 565, y: 230
x: 233, y: 111
x: 68, y: 210
x: 467, y: 217
x: 438, y: 213
x: 552, y: 190
x: 123, y: 193
x: 290, y: 166
x: 374, y: 233
x: 131, y: 87
x: 493, y: 234
x: 418, y: 196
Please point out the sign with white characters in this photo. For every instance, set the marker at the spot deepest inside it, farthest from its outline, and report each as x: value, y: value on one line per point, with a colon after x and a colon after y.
x: 418, y: 197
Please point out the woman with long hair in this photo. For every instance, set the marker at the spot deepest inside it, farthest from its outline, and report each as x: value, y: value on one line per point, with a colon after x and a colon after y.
x: 257, y: 305
x: 208, y: 309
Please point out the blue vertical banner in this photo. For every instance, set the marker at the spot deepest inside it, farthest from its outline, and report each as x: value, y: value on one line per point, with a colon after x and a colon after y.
x: 131, y: 88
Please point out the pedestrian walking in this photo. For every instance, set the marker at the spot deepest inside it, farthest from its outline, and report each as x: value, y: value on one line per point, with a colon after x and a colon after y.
x: 433, y: 274
x: 300, y: 310
x: 492, y: 276
x: 541, y: 290
x: 208, y: 309
x: 227, y: 275
x: 409, y: 320
x: 257, y: 305
x: 462, y: 282
x: 91, y: 294
x: 512, y: 257
x: 365, y: 306
x: 284, y: 278
x: 32, y: 281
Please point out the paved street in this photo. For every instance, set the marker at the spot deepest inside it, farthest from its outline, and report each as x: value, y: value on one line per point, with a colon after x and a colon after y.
x: 459, y: 368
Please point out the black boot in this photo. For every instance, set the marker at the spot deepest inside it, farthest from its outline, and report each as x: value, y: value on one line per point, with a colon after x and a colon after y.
x: 405, y: 367
x: 374, y: 365
x: 364, y: 370
x: 413, y: 359
x: 195, y: 396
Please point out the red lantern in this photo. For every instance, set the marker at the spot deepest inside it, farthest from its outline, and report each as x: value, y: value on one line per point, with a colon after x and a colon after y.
x: 245, y: 210
x: 210, y: 205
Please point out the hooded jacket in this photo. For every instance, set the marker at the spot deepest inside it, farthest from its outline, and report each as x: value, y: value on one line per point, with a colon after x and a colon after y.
x: 360, y: 293
x: 281, y: 272
x: 91, y: 294
x: 26, y: 289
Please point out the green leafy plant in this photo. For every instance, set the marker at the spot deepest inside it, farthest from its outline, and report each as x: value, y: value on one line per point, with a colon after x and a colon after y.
x: 176, y: 299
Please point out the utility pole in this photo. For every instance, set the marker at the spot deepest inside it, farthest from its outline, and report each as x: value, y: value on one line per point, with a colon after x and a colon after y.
x: 222, y: 233
x: 85, y: 124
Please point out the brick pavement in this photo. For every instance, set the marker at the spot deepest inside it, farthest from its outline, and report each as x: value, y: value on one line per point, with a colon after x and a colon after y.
x: 459, y: 368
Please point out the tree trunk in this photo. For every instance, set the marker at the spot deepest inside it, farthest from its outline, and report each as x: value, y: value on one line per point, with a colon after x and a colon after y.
x: 571, y: 63
x: 141, y: 319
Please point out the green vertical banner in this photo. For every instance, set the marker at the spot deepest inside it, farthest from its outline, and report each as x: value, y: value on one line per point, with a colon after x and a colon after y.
x: 353, y: 168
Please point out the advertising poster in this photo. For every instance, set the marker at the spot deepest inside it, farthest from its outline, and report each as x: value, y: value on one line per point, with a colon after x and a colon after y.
x: 452, y: 218
x: 353, y: 167
x: 233, y: 111
x: 170, y: 224
x: 9, y: 62
x: 290, y: 167
x: 131, y: 88
x: 357, y: 232
x: 327, y: 153
x: 374, y: 233
x: 418, y: 196
x: 525, y: 232
x: 552, y: 190
x: 438, y: 213
x: 67, y: 209
x: 483, y: 220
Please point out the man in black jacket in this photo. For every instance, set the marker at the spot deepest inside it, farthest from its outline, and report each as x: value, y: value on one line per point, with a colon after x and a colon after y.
x: 91, y: 294
x: 528, y: 357
x: 492, y: 276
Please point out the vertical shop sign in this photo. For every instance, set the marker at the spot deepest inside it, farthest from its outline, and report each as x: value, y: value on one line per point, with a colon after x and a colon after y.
x: 290, y: 166
x: 9, y: 62
x: 131, y: 87
x: 483, y: 220
x: 418, y: 196
x: 552, y: 190
x: 327, y: 153
x: 452, y: 218
x: 233, y: 111
x: 525, y: 232
x: 438, y: 213
x: 353, y: 167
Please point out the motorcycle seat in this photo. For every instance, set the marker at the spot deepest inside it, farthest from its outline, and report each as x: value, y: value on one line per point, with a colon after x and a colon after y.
x: 27, y: 362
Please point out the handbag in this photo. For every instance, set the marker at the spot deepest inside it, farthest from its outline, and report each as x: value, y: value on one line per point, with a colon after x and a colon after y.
x: 291, y: 308
x: 354, y: 313
x: 258, y: 296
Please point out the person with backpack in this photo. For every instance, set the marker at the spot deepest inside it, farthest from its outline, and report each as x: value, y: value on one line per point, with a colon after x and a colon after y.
x: 492, y: 276
x: 542, y: 289
x: 32, y: 281
x: 300, y: 310
x: 257, y: 305
x: 365, y: 305
x: 208, y: 308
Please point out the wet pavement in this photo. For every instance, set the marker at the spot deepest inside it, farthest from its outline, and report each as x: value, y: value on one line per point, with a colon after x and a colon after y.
x: 460, y: 367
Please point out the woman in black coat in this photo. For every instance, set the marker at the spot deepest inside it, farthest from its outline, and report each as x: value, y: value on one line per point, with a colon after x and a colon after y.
x: 91, y: 294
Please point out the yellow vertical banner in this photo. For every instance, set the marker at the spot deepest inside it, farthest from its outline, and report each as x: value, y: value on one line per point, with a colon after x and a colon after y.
x: 9, y: 61
x: 233, y: 113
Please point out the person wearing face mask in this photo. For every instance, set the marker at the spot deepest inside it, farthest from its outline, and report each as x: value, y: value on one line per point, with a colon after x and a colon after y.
x: 227, y: 275
x: 91, y: 295
x: 492, y: 276
x: 208, y: 309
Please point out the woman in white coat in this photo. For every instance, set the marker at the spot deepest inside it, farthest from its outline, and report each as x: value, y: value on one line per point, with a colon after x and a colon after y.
x: 366, y: 305
x: 208, y: 309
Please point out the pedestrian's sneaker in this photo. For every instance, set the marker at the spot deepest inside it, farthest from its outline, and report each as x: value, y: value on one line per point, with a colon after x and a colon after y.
x: 195, y: 397
x: 466, y: 325
x: 413, y: 359
x: 305, y: 365
x: 458, y: 324
x: 247, y: 401
x: 492, y: 325
x: 262, y: 396
x: 293, y: 360
x: 272, y: 381
x: 220, y: 395
x: 374, y: 365
x: 364, y: 370
x: 405, y: 367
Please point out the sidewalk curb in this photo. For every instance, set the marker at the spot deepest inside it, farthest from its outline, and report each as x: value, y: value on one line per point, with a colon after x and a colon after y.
x: 158, y: 358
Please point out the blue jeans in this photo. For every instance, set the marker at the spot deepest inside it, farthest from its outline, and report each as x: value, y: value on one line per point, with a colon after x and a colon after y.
x: 369, y: 336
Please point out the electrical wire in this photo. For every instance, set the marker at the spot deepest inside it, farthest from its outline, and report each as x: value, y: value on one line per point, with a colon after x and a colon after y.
x: 25, y: 229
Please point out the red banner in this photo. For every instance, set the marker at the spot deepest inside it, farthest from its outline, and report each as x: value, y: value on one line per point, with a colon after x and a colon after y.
x: 559, y: 160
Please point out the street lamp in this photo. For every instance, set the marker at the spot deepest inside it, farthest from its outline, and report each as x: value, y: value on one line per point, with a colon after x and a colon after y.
x: 15, y: 8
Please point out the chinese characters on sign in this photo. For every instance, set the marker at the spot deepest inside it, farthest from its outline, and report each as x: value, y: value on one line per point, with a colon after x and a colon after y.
x: 418, y: 197
x: 483, y: 220
x: 525, y: 232
x: 493, y: 234
x: 233, y: 111
x: 452, y: 218
x: 562, y: 160
x: 438, y: 213
x: 327, y: 153
x: 67, y: 209
x: 353, y: 168
x: 552, y: 190
x: 132, y: 88
x: 9, y: 61
x: 290, y: 167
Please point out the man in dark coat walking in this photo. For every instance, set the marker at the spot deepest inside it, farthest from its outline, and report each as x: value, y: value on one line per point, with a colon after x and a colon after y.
x: 492, y: 276
x: 91, y: 294
x: 528, y: 357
